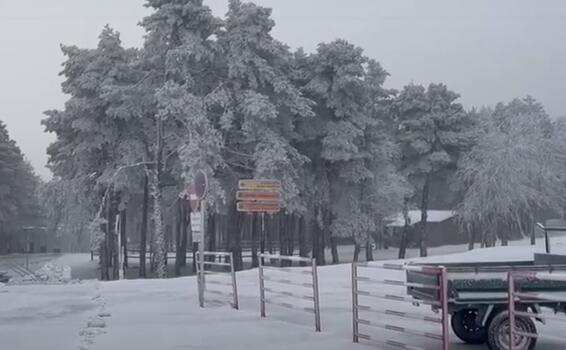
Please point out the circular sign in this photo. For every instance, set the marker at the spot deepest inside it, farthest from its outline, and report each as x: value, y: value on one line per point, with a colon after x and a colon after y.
x: 197, y: 190
x: 200, y: 183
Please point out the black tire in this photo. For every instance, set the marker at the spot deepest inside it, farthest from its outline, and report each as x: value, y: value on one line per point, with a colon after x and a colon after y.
x: 466, y: 328
x: 497, y: 333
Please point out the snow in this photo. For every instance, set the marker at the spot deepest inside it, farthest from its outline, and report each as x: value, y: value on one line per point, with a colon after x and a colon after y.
x: 415, y: 216
x: 164, y: 314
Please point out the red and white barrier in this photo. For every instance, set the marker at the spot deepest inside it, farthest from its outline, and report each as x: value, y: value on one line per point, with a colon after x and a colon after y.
x: 515, y: 296
x: 440, y: 304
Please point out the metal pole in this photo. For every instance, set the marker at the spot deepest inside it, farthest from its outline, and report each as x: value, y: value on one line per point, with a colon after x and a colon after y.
x: 262, y: 238
x: 315, y: 296
x: 120, y: 258
x: 355, y: 302
x: 234, y: 285
x: 444, y: 304
x: 546, y: 242
x: 261, y: 287
x: 27, y: 251
x: 201, y: 254
x: 511, y: 309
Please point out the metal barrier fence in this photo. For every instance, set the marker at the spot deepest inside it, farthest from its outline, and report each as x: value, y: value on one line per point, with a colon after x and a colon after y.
x: 233, y: 294
x: 291, y: 271
x: 517, y: 335
x: 440, y: 303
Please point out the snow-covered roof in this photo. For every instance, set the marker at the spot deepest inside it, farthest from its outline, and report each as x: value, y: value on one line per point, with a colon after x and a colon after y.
x: 397, y: 220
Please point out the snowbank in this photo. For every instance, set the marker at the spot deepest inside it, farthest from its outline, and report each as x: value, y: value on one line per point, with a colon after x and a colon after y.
x: 52, y: 273
x: 164, y: 314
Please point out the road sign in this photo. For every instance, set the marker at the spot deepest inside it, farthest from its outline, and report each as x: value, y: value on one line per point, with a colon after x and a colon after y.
x: 197, y: 236
x: 258, y: 207
x: 196, y: 222
x: 194, y: 200
x: 265, y: 185
x: 197, y: 190
x: 200, y: 183
x: 262, y: 196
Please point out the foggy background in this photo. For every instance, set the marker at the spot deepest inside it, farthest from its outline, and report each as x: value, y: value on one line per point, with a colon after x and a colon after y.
x: 488, y: 51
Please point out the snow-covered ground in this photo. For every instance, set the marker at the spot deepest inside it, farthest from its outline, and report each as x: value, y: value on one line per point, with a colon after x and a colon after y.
x: 164, y: 314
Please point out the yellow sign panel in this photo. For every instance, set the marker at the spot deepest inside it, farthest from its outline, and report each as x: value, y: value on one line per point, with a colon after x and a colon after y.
x: 265, y: 185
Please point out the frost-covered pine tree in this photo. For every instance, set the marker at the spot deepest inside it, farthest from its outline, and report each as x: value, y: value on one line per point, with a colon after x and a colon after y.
x: 91, y: 136
x: 257, y: 107
x: 433, y: 129
x: 178, y: 58
x: 348, y: 143
x: 512, y: 173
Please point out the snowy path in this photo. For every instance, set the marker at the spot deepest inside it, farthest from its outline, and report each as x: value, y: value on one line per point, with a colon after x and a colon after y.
x: 164, y: 314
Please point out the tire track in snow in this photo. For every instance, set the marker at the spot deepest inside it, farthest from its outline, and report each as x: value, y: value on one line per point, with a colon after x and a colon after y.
x: 96, y: 324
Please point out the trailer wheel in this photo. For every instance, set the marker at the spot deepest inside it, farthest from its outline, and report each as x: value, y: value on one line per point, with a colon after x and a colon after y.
x: 498, y: 332
x: 465, y: 326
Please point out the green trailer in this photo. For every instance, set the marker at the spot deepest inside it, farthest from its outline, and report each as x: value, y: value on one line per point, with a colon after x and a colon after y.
x: 478, y: 297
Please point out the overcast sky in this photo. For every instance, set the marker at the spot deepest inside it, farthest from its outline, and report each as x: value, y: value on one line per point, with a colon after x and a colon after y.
x: 486, y: 50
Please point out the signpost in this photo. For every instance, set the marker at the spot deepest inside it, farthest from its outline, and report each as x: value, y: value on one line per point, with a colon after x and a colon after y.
x: 259, y: 196
x: 196, y: 192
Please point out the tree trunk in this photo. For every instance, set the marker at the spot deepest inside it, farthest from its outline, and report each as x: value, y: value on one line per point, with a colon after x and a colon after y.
x: 503, y: 231
x: 236, y: 225
x: 184, y: 230
x: 405, y: 233
x: 178, y: 240
x: 124, y: 238
x: 533, y: 230
x: 303, y: 248
x: 315, y: 236
x: 211, y: 233
x: 291, y: 228
x: 160, y: 243
x: 240, y: 231
x: 369, y: 251
x: 282, y: 238
x: 109, y: 238
x: 356, y: 252
x: 424, y: 216
x: 143, y: 233
x: 470, y: 231
x: 334, y: 250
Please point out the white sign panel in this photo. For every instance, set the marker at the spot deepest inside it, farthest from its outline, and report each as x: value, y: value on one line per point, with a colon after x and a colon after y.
x: 196, y: 226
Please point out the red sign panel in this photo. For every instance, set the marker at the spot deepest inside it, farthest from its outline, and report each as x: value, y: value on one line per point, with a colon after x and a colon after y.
x: 261, y: 196
x: 258, y: 207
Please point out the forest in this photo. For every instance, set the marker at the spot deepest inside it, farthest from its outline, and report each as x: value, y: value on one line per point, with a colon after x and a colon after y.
x: 223, y: 96
x: 20, y: 209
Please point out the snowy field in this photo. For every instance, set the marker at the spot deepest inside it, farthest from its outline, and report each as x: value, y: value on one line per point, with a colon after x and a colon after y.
x: 164, y: 314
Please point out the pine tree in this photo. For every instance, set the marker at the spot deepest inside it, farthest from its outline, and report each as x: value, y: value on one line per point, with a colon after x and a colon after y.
x: 177, y: 58
x: 259, y: 108
x: 432, y: 129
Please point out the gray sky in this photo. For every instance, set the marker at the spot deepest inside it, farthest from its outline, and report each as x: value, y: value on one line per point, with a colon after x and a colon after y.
x: 486, y: 50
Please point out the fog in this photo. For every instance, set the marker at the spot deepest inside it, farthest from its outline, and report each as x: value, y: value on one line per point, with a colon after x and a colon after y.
x: 487, y: 51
